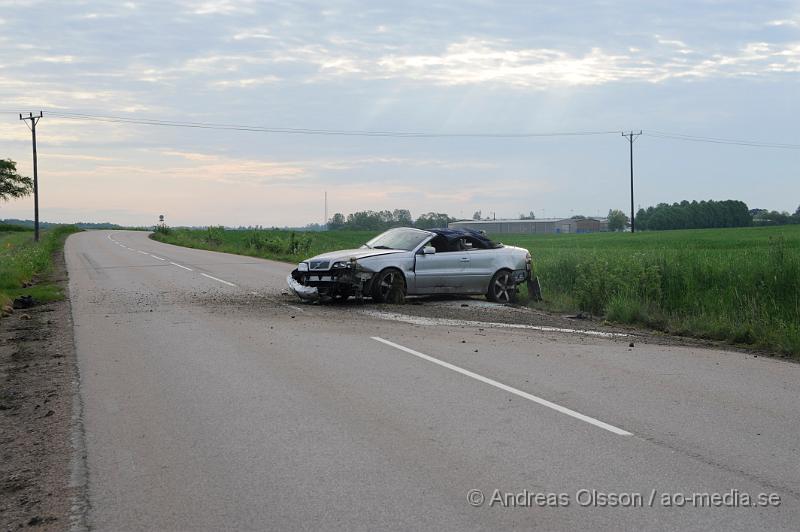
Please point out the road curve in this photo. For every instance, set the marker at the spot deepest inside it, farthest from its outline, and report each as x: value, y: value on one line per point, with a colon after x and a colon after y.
x: 211, y: 401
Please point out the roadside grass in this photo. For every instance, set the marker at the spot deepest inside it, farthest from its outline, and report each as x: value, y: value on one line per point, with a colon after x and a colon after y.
x: 9, y: 228
x: 275, y: 244
x: 738, y: 285
x: 25, y: 262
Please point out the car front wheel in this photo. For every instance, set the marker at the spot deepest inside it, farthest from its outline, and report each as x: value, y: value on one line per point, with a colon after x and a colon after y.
x: 389, y: 286
x: 502, y: 288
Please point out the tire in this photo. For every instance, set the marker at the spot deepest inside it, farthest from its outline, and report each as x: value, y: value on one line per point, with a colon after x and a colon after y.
x: 502, y: 288
x: 389, y: 286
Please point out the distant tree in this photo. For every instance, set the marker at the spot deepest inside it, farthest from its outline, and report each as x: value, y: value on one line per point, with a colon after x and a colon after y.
x: 617, y: 220
x: 578, y: 217
x: 694, y: 215
x: 13, y: 185
x: 797, y: 212
x: 775, y: 218
x: 433, y: 219
x: 402, y: 217
x: 529, y: 216
x: 477, y: 215
x: 337, y: 222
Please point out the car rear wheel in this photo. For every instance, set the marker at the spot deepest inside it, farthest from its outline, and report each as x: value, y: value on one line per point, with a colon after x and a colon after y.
x: 389, y: 286
x: 502, y: 288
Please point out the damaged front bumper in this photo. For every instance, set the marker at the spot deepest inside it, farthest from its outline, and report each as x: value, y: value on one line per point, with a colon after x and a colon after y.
x: 329, y: 284
x: 306, y: 293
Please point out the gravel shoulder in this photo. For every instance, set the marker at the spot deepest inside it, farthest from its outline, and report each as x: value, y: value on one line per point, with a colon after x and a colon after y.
x: 40, y: 417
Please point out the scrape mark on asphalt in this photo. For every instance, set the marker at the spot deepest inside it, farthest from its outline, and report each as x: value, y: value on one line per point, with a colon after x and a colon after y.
x: 418, y: 320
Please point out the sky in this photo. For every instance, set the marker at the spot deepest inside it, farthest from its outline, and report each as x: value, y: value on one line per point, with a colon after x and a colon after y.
x: 711, y: 69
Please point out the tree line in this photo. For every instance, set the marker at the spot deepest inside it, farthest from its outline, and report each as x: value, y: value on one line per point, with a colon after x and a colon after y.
x: 382, y: 220
x: 694, y: 215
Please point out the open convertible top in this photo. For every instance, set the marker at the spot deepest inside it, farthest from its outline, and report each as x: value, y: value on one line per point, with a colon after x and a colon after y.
x: 476, y: 238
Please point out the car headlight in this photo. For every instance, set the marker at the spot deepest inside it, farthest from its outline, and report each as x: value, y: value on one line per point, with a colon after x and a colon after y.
x: 528, y: 257
x: 341, y: 264
x: 302, y: 267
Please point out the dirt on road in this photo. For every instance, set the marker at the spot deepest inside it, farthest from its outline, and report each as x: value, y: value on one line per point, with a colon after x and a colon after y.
x: 40, y: 475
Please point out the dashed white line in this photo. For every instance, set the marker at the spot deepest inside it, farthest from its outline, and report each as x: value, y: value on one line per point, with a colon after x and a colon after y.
x: 509, y: 389
x: 181, y: 266
x: 217, y: 279
x: 155, y: 257
x: 142, y: 252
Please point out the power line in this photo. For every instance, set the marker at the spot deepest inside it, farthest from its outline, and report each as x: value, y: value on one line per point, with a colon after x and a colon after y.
x: 399, y: 134
x: 718, y: 140
x: 309, y: 131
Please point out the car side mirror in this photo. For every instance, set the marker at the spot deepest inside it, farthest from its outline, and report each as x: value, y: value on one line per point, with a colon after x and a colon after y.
x: 429, y: 250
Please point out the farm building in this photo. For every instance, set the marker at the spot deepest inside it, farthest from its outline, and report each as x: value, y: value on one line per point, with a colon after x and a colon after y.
x: 542, y: 225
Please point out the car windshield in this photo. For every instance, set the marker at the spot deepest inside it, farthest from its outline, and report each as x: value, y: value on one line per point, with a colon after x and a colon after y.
x: 403, y: 238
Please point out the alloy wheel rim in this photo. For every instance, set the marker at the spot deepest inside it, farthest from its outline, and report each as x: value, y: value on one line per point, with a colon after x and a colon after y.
x: 386, y: 284
x: 502, y: 289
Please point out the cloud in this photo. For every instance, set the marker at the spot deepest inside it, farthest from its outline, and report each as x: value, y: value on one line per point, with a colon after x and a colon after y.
x: 795, y: 23
x: 499, y: 63
x: 219, y: 7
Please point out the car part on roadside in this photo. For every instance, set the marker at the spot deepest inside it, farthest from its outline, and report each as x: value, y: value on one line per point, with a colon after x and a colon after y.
x: 534, y: 289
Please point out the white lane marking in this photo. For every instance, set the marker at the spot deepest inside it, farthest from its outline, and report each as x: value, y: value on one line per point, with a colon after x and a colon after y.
x: 159, y: 258
x: 217, y: 279
x: 418, y: 320
x: 509, y: 389
x: 142, y: 252
x: 180, y: 266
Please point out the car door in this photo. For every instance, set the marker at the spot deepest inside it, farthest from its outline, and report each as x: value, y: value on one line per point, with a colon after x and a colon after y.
x: 482, y: 265
x: 441, y: 272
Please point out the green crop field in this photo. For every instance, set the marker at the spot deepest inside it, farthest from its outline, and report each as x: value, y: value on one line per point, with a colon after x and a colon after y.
x: 739, y: 285
x: 23, y: 261
x: 289, y: 246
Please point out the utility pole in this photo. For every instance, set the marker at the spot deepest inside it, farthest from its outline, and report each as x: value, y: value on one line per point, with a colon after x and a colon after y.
x: 32, y: 126
x: 631, y: 139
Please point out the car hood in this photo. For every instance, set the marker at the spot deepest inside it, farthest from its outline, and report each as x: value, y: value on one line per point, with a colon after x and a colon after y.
x: 347, y: 254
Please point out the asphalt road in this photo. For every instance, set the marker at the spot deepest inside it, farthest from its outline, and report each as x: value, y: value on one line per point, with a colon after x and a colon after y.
x: 211, y: 401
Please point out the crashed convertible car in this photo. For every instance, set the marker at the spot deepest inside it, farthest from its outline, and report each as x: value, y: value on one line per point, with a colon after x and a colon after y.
x: 407, y: 261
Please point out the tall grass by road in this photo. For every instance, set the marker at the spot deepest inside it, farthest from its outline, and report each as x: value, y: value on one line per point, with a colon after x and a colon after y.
x: 739, y: 285
x: 23, y: 262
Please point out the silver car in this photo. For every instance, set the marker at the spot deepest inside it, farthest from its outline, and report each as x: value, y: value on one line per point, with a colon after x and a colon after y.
x: 408, y: 261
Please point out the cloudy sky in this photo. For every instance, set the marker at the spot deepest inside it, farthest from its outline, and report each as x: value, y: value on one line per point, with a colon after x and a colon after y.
x: 715, y: 69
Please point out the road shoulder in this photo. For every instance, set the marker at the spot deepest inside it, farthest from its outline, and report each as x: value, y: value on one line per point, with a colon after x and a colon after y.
x: 40, y: 441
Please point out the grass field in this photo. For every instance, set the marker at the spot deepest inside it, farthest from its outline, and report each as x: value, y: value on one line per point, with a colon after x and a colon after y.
x: 739, y: 285
x: 24, y: 262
